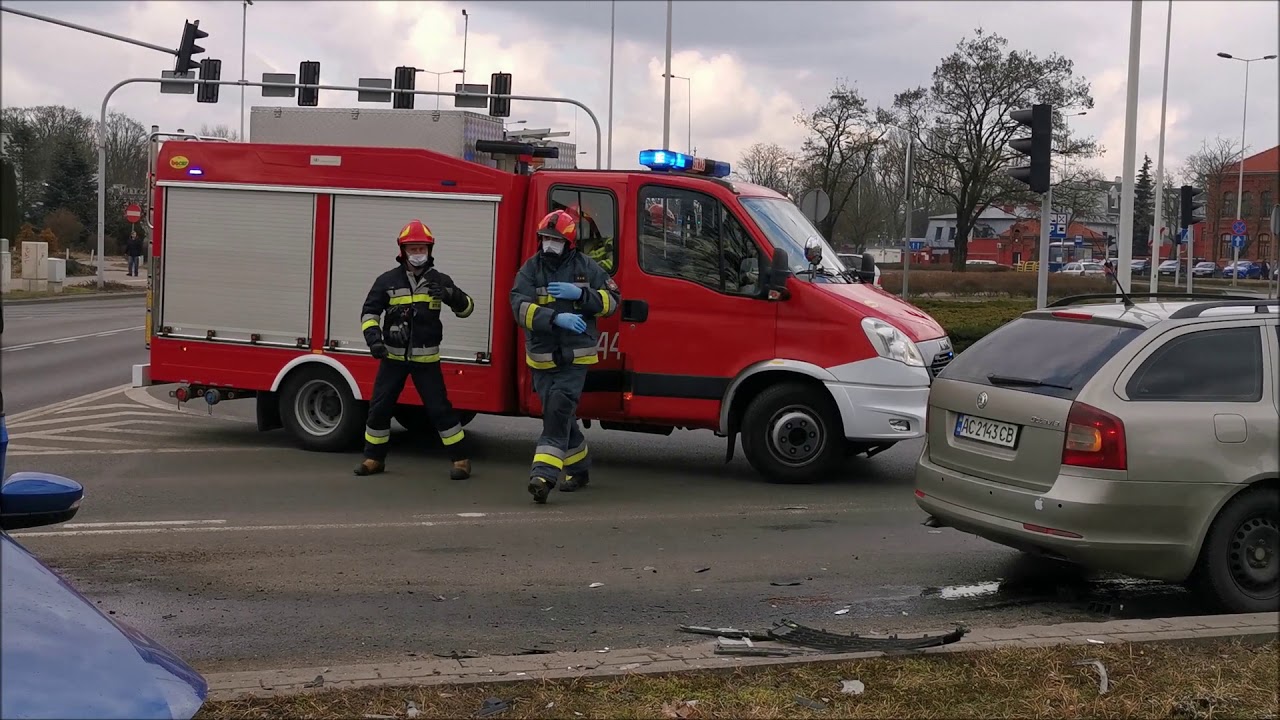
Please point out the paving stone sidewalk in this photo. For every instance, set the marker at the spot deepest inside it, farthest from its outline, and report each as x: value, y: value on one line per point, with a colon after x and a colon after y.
x: 602, y: 663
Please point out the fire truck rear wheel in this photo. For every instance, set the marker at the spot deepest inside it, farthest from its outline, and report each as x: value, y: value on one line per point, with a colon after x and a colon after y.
x: 791, y: 433
x: 318, y: 409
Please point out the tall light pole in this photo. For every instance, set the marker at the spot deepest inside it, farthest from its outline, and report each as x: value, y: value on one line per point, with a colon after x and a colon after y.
x: 1235, y: 251
x: 613, y: 14
x: 689, y: 85
x: 666, y: 94
x: 1158, y: 218
x: 244, y: 26
x: 466, y: 29
x: 1124, y: 250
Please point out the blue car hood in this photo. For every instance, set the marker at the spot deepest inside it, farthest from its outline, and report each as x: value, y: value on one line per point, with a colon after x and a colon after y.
x: 61, y: 657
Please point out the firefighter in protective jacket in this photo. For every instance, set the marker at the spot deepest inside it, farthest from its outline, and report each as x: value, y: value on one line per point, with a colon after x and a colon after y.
x: 558, y: 294
x: 407, y: 343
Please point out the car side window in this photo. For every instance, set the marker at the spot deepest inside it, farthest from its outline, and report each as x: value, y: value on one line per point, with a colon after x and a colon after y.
x: 691, y: 236
x: 1223, y: 365
x: 597, y: 212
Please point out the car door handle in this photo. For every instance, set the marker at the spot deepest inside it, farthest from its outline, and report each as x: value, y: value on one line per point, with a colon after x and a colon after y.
x: 636, y: 311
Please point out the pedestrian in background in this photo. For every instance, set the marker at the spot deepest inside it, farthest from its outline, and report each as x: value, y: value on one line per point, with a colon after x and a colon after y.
x: 133, y: 249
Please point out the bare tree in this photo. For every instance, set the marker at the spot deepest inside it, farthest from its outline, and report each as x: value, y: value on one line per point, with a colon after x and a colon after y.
x: 961, y: 123
x: 1081, y: 194
x: 843, y: 137
x: 219, y: 131
x: 770, y: 165
x: 1207, y: 169
x: 126, y: 142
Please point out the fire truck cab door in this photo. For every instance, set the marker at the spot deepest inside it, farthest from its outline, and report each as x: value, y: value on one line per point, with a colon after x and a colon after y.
x: 693, y: 311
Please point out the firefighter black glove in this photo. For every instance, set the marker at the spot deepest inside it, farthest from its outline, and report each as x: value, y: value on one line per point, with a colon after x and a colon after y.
x: 378, y: 350
x: 440, y: 292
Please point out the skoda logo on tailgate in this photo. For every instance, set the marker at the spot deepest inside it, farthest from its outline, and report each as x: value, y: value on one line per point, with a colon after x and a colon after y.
x: 982, y: 400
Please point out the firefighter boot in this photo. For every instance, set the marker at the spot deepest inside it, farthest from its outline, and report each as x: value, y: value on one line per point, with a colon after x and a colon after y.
x: 461, y: 470
x: 370, y: 467
x: 540, y: 488
x: 574, y: 482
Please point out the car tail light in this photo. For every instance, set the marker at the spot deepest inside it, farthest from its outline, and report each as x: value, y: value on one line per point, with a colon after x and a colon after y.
x: 1094, y: 439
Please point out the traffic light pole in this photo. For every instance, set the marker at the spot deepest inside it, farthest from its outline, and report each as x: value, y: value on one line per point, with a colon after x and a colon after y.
x: 90, y: 30
x: 106, y: 100
x: 1042, y: 267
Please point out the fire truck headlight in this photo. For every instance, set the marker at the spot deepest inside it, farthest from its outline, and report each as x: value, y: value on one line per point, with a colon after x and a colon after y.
x: 891, y: 343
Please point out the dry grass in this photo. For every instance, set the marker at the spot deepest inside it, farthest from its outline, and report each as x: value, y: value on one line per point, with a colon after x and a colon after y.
x: 1220, y: 679
x: 991, y: 284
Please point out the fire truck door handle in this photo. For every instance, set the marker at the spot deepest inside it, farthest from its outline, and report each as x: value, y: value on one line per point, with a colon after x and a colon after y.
x: 636, y: 311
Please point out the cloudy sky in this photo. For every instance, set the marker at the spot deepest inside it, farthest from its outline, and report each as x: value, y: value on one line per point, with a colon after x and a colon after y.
x: 754, y: 65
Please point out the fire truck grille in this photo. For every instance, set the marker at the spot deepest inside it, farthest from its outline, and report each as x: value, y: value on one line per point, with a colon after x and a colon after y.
x: 940, y: 361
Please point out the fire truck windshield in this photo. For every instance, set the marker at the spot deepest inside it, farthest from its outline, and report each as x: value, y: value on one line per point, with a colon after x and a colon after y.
x: 788, y: 229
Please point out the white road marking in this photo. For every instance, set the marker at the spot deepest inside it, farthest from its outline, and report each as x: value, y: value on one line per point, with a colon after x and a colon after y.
x: 471, y: 515
x: 137, y: 412
x: 64, y: 404
x: 144, y: 523
x: 95, y: 408
x: 73, y: 338
x: 219, y: 528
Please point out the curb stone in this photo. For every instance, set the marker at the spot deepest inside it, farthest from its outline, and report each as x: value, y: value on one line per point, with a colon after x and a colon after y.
x: 1254, y: 627
x: 78, y: 297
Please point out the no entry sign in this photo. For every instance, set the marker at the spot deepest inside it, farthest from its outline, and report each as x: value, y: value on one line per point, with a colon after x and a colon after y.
x: 133, y: 213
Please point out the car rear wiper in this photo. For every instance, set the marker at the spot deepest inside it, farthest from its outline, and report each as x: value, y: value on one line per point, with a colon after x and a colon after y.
x: 1007, y: 381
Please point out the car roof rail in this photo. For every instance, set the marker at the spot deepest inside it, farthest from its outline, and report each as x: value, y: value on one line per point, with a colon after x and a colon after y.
x: 1073, y: 299
x: 1192, y: 311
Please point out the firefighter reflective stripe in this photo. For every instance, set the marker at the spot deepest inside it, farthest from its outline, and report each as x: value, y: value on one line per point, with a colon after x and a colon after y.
x: 399, y: 292
x: 368, y: 321
x: 422, y: 355
x: 452, y: 436
x: 374, y: 436
x: 606, y: 304
x: 576, y: 455
x: 466, y: 312
x: 540, y: 361
x: 549, y: 455
x: 527, y: 311
x: 585, y: 356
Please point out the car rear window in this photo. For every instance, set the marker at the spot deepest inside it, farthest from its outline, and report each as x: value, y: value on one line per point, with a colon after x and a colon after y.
x: 1063, y: 353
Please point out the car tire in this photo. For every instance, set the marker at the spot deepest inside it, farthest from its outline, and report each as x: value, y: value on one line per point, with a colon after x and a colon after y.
x: 1239, y: 565
x: 319, y: 411
x: 792, y: 433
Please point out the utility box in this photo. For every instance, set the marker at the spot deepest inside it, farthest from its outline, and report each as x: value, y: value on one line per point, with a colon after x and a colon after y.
x: 35, y: 256
x: 57, y: 272
x: 6, y: 271
x: 449, y: 132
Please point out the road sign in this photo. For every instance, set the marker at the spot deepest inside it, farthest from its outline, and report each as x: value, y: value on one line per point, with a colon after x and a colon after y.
x: 1079, y: 241
x: 1182, y: 236
x: 133, y: 213
x: 1237, y: 241
x: 1238, y: 228
x: 915, y: 244
x: 815, y: 204
x: 1057, y: 226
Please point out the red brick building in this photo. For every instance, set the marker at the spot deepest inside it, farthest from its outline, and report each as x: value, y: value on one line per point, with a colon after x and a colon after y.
x: 1261, y: 193
x: 1021, y: 241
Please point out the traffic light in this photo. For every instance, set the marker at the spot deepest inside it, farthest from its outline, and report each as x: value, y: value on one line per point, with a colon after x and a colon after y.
x: 191, y: 32
x: 500, y: 84
x: 308, y: 74
x: 210, y: 69
x: 1038, y: 147
x: 1191, y: 199
x: 405, y: 78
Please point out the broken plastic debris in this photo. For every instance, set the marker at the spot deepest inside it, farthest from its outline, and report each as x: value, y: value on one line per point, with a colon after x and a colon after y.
x: 1102, y: 673
x: 702, y: 570
x: 439, y: 598
x: 843, y: 611
x: 811, y: 704
x: 852, y: 687
x: 412, y: 710
x: 603, y: 651
x: 650, y: 568
x: 492, y: 706
x: 785, y: 584
x: 596, y: 585
x: 796, y: 507
x: 1096, y: 642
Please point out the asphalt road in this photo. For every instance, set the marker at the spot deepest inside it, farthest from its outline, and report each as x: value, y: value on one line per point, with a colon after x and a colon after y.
x: 61, y: 350
x: 240, y: 552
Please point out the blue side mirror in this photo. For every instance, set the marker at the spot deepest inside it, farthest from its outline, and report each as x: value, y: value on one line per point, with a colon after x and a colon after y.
x: 33, y: 499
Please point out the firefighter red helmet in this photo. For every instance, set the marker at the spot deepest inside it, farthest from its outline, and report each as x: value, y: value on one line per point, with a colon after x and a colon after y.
x: 415, y: 232
x: 559, y: 225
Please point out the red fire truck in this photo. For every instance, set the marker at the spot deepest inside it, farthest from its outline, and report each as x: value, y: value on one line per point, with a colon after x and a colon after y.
x: 736, y: 317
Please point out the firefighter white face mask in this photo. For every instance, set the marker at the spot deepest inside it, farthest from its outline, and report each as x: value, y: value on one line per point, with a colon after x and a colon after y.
x: 418, y: 260
x: 552, y: 247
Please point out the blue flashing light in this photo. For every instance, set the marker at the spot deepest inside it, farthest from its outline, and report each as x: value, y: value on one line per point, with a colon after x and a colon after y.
x: 672, y: 161
x: 195, y: 171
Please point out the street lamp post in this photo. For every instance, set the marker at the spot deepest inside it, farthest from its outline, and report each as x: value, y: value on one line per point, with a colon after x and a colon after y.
x: 244, y: 26
x: 438, y: 74
x: 466, y: 29
x: 1158, y: 216
x: 613, y: 14
x: 1244, y: 116
x: 689, y: 85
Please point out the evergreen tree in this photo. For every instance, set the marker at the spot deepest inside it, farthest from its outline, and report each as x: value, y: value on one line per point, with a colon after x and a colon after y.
x: 71, y: 185
x: 10, y: 214
x: 1143, y: 200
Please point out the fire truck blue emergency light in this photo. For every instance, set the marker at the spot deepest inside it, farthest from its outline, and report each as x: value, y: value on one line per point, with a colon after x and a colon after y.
x: 671, y: 161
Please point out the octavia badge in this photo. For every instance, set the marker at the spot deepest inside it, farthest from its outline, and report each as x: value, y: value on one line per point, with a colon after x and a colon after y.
x: 982, y: 400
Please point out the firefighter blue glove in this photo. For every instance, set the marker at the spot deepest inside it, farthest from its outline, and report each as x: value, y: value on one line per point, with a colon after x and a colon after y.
x: 571, y: 322
x: 564, y: 291
x: 378, y: 350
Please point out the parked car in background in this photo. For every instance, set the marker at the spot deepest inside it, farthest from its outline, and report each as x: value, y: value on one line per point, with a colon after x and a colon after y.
x: 1083, y: 268
x: 1142, y: 265
x: 1243, y: 269
x: 1205, y: 269
x: 1141, y: 438
x: 1168, y: 268
x: 60, y: 656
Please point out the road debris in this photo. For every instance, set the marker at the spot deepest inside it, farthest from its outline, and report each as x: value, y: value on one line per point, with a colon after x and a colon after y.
x: 796, y: 507
x: 793, y: 633
x: 682, y: 710
x: 811, y: 704
x: 785, y: 584
x: 701, y: 570
x: 650, y: 568
x: 596, y: 585
x: 852, y: 687
x: 1095, y: 642
x: 1102, y: 673
x: 439, y: 598
x: 412, y: 709
x: 491, y: 707
x: 843, y: 611
x: 725, y: 632
x: 318, y: 682
x: 455, y: 655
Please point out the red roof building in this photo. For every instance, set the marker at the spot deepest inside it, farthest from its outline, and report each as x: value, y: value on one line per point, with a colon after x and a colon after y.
x: 1261, y: 192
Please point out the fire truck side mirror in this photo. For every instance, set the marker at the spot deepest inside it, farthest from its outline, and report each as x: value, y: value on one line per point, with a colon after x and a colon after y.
x: 779, y: 271
x: 867, y: 273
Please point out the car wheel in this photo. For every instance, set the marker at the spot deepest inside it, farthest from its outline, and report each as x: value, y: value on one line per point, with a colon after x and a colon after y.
x: 318, y: 409
x: 1239, y: 565
x: 792, y: 433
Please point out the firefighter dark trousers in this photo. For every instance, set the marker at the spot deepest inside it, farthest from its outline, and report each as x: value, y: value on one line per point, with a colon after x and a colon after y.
x: 562, y: 445
x: 429, y: 381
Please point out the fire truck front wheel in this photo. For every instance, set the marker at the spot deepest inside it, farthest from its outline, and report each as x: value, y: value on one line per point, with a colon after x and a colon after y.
x: 791, y: 433
x: 318, y: 409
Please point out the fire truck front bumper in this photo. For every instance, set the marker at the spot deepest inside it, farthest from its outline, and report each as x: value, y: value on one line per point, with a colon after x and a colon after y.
x: 880, y: 400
